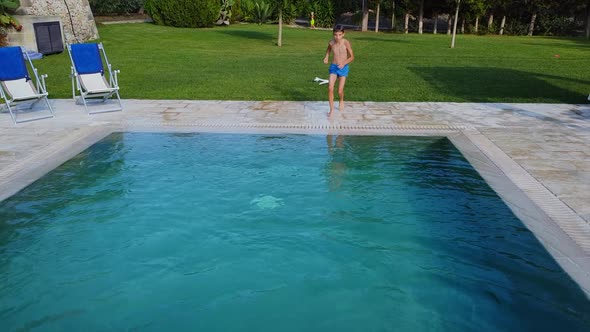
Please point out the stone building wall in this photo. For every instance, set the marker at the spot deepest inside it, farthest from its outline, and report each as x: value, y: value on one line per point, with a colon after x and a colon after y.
x: 72, y: 13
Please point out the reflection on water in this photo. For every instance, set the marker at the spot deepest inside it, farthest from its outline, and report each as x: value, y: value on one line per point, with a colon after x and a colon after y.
x: 336, y: 167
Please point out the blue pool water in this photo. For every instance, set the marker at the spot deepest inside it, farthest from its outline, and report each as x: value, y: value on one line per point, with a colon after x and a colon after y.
x: 209, y: 232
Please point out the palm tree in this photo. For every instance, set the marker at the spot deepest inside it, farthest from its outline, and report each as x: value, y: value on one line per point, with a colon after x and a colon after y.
x: 281, y: 5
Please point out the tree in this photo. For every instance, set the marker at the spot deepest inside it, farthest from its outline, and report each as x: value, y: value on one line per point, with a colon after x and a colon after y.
x: 408, y: 8
x: 455, y: 24
x: 280, y: 37
x: 503, y: 6
x: 393, y: 15
x: 343, y: 6
x: 421, y: 17
x: 476, y: 9
x: 281, y: 5
x: 534, y: 7
x: 377, y: 15
x: 533, y: 19
x: 365, y: 22
x: 437, y: 7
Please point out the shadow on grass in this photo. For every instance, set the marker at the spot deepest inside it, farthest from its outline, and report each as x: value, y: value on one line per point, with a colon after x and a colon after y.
x: 482, y: 84
x: 577, y: 43
x: 296, y: 94
x: 247, y: 34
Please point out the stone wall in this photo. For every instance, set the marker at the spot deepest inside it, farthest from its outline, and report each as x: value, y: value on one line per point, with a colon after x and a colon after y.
x: 72, y: 13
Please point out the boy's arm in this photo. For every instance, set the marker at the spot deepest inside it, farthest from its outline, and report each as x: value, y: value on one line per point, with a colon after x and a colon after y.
x: 350, y: 53
x: 327, y: 57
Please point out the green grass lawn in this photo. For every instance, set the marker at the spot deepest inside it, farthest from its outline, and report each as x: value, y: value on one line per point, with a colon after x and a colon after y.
x: 242, y: 62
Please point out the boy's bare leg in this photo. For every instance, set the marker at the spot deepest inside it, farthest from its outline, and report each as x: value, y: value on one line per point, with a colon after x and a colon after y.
x: 331, y: 83
x: 341, y: 93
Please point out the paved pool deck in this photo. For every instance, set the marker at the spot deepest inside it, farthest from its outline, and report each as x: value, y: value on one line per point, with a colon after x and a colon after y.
x: 536, y: 156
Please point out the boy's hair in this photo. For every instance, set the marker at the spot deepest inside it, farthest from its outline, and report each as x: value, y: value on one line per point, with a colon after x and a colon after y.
x: 338, y: 28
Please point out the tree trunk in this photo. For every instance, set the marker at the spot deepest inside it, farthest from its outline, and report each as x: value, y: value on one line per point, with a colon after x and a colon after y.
x: 435, y: 24
x: 421, y: 17
x: 588, y: 19
x: 365, y: 23
x: 280, y: 41
x: 502, y: 24
x: 463, y: 25
x: 449, y: 24
x: 406, y: 22
x: 393, y: 15
x: 490, y: 21
x: 477, y: 24
x: 532, y: 24
x: 455, y: 24
x: 377, y: 18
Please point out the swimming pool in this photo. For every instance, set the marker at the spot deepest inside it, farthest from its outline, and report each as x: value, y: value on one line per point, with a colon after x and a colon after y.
x: 274, y: 232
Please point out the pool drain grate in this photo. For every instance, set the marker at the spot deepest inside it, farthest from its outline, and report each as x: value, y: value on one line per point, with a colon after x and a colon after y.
x: 320, y: 126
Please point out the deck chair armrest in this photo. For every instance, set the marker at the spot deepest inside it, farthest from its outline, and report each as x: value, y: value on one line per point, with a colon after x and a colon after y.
x: 41, y: 84
x: 75, y: 82
x: 114, y: 78
x: 39, y: 80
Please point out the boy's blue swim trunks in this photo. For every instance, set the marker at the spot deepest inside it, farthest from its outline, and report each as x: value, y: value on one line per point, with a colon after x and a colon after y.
x: 339, y: 72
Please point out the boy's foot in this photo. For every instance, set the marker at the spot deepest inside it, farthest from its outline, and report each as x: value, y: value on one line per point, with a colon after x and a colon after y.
x: 341, y: 107
x: 330, y: 113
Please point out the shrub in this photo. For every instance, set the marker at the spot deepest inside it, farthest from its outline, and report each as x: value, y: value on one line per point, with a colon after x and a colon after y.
x: 108, y: 7
x: 3, y: 34
x: 246, y: 10
x: 515, y: 28
x: 289, y: 13
x: 226, y: 11
x: 262, y: 12
x: 302, y: 8
x: 324, y: 13
x: 183, y: 13
x: 557, y: 26
x: 7, y: 7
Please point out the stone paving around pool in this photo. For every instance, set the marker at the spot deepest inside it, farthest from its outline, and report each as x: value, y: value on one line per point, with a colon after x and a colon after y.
x: 543, y: 148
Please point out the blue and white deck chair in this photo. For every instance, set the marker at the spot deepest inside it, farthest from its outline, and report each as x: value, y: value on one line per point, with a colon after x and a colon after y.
x: 88, y: 76
x: 16, y: 86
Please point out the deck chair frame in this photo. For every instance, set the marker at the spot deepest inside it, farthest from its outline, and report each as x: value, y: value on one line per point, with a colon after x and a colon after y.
x: 110, y: 87
x: 39, y: 89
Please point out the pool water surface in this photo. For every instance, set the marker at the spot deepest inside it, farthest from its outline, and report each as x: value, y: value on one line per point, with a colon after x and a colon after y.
x: 203, y: 232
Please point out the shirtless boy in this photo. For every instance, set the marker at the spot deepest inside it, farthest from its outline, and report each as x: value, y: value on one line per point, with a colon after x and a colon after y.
x: 342, y: 56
